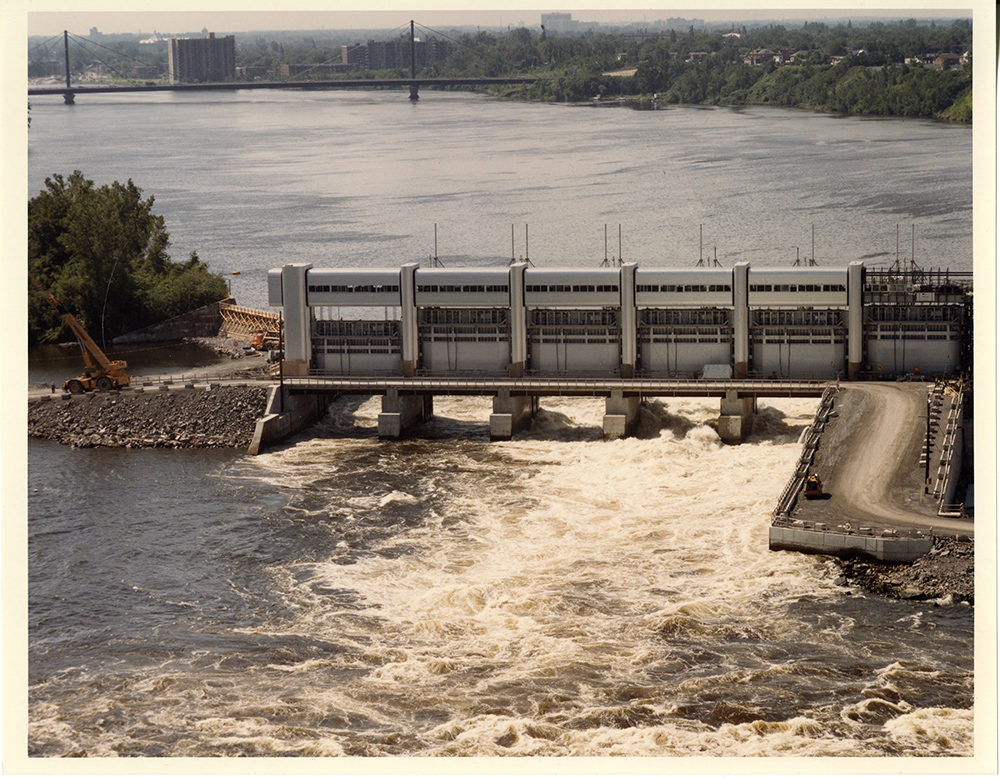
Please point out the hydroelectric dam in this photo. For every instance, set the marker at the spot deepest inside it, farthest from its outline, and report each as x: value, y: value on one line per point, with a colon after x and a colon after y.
x: 520, y: 333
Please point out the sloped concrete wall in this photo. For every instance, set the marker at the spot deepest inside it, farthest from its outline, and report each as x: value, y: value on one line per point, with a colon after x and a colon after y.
x: 202, y: 322
x: 283, y: 418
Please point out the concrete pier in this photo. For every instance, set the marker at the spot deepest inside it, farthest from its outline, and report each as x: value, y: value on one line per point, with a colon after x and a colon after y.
x: 510, y: 414
x: 736, y: 417
x: 284, y: 416
x: 401, y: 413
x: 620, y: 414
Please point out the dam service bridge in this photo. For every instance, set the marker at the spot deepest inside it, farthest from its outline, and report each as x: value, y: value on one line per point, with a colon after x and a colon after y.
x: 520, y: 333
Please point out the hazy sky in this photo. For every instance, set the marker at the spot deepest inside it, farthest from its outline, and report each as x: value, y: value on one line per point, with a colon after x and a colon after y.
x: 51, y: 18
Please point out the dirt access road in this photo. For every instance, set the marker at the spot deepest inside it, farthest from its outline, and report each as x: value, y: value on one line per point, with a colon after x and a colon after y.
x: 869, y: 459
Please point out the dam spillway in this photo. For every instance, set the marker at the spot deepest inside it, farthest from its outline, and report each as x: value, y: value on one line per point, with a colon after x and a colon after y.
x: 616, y: 324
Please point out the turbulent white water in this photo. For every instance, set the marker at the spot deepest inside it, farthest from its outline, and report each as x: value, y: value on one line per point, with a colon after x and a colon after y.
x: 587, y: 598
x: 556, y: 595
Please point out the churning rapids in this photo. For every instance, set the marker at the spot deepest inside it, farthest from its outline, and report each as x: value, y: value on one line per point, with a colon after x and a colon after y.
x: 557, y: 595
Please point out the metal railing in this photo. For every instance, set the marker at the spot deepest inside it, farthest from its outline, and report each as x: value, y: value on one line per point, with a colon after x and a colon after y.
x: 810, y: 442
x: 564, y: 385
x: 944, y: 472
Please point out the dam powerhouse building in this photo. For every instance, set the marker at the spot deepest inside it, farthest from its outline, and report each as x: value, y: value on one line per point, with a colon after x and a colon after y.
x: 742, y: 322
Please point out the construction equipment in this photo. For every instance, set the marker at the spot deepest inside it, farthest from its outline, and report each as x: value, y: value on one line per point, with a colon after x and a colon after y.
x: 99, y: 372
x: 813, y: 488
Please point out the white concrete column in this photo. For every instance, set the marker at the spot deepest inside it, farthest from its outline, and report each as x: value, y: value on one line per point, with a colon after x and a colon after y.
x: 741, y: 319
x: 855, y: 318
x: 409, y: 332
x: 297, y: 316
x: 628, y: 319
x: 518, y: 322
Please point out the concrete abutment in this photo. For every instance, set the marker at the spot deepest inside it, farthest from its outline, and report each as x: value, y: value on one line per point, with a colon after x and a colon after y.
x: 286, y: 415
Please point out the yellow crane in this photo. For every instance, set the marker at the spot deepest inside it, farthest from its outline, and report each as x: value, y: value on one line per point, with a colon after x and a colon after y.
x: 99, y: 372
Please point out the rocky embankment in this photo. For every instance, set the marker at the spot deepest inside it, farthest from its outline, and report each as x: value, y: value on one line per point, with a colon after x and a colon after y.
x: 222, y: 416
x: 946, y: 572
x: 208, y: 416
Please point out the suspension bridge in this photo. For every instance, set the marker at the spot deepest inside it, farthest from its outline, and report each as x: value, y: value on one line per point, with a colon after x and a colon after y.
x: 70, y: 90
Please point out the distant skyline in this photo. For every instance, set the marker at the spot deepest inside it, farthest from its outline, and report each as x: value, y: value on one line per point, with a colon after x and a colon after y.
x: 53, y: 22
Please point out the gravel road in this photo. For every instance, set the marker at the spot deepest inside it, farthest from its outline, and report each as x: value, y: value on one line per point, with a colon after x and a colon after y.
x: 868, y: 459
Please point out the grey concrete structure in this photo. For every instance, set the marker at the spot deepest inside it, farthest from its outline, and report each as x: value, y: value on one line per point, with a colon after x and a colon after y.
x: 401, y: 413
x: 510, y: 414
x: 814, y: 323
x: 284, y: 416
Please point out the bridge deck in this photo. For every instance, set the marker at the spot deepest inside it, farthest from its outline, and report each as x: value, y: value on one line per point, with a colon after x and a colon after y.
x: 341, y: 83
x: 554, y: 387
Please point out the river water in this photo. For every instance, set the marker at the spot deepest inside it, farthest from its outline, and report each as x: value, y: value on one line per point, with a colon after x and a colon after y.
x: 557, y: 595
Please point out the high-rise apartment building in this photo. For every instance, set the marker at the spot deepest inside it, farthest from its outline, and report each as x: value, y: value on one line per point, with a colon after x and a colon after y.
x: 559, y: 23
x: 202, y: 59
x: 387, y: 55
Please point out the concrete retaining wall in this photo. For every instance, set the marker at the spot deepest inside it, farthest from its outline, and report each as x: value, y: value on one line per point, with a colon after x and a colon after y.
x: 810, y: 442
x: 815, y: 539
x: 202, y: 322
x: 284, y: 417
x: 951, y: 454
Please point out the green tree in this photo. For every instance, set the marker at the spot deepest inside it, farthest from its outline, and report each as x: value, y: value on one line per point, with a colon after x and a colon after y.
x: 103, y: 253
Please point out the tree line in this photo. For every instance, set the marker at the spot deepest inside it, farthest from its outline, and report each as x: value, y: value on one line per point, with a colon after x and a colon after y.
x: 102, y: 252
x: 846, y: 69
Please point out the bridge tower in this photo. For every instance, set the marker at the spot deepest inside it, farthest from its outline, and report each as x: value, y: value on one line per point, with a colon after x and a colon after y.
x: 67, y: 95
x: 414, y: 96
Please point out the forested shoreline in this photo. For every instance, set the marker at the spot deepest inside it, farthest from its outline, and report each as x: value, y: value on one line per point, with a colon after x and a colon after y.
x: 878, y: 69
x: 907, y: 68
x: 103, y: 253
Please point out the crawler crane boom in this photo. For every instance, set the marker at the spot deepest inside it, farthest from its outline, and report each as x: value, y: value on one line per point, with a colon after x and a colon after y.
x: 99, y: 372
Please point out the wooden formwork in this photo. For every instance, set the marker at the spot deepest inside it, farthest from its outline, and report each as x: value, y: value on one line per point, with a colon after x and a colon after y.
x: 241, y: 322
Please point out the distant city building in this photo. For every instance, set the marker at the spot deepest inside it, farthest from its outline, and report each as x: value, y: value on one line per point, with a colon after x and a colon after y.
x: 325, y: 69
x: 947, y: 61
x: 642, y: 37
x: 758, y: 57
x: 394, y: 54
x: 202, y: 59
x: 354, y: 55
x: 559, y: 23
x: 253, y: 71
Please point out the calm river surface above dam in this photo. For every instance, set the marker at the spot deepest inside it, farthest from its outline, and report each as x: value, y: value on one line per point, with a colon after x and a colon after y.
x: 557, y: 595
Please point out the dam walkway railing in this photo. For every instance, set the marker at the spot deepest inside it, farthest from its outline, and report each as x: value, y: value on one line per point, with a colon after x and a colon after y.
x: 556, y: 386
